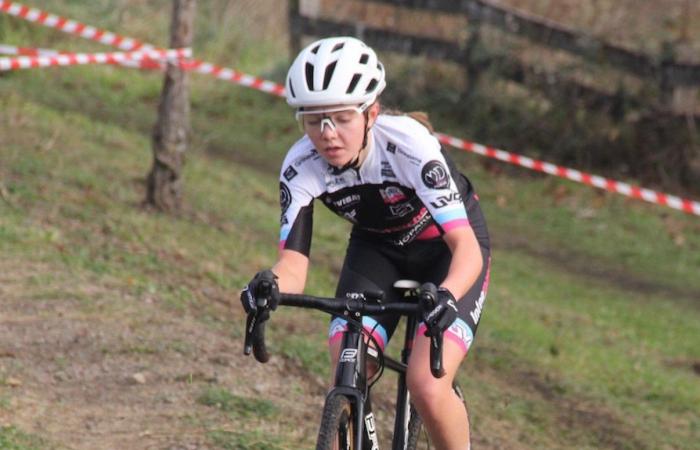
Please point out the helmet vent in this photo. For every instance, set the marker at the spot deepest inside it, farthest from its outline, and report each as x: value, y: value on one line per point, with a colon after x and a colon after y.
x: 315, y: 49
x: 338, y: 47
x: 291, y: 89
x: 329, y: 74
x: 372, y: 84
x: 310, y: 76
x: 353, y: 83
x: 364, y: 58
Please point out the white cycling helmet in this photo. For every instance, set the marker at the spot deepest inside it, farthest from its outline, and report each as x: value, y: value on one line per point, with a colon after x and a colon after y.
x: 335, y: 71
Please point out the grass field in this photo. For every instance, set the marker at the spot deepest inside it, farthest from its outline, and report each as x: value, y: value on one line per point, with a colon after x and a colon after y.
x: 120, y: 328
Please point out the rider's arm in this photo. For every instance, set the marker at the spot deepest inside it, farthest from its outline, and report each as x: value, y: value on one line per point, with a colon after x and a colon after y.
x: 466, y: 260
x: 291, y: 268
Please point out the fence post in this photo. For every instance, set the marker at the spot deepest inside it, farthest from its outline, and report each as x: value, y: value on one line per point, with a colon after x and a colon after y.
x: 666, y: 88
x: 294, y: 28
x: 472, y: 66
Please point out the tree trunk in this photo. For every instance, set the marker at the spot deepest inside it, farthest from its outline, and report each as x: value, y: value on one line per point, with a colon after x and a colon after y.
x: 172, y: 130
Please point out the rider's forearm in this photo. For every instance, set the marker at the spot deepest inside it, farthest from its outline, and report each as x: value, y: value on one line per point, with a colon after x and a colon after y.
x: 291, y: 269
x: 466, y: 263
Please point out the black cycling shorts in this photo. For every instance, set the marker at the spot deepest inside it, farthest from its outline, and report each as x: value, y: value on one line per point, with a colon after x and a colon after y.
x: 371, y: 264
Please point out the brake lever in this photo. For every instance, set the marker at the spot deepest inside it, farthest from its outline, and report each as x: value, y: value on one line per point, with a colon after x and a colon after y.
x: 436, y: 367
x: 250, y: 323
x: 427, y: 301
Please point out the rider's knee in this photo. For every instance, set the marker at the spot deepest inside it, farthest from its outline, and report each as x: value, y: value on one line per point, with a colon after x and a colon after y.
x: 426, y: 391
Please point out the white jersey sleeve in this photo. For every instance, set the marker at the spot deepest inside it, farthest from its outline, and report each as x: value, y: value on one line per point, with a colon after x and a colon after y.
x: 299, y: 186
x: 420, y: 164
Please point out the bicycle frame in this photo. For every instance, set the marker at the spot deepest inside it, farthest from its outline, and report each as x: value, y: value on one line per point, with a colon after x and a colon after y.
x: 351, y: 373
x: 351, y: 382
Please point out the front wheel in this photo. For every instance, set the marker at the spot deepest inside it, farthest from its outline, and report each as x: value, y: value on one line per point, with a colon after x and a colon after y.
x: 417, y: 435
x: 337, y: 425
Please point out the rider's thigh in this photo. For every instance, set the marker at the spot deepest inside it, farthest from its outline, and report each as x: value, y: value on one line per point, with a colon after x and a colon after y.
x: 419, y: 376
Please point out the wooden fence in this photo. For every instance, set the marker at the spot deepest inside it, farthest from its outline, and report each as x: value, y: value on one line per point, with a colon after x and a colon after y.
x: 664, y: 73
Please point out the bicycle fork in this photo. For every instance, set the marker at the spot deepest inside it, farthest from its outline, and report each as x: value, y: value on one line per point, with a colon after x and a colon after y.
x: 351, y: 382
x: 403, y: 399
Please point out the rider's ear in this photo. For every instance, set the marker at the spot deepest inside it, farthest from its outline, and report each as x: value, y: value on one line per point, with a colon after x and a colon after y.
x: 372, y: 113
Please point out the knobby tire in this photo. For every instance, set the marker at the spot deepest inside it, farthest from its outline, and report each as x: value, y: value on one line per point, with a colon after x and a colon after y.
x: 337, y: 425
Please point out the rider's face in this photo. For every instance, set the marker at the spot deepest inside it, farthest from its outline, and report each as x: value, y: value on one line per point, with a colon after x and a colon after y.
x: 337, y: 132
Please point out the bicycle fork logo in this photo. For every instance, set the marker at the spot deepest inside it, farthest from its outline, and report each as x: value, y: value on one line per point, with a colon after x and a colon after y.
x: 348, y: 355
x: 371, y: 431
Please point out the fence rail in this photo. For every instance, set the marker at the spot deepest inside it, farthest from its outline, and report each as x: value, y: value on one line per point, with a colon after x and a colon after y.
x: 663, y: 72
x: 554, y: 35
x: 380, y: 38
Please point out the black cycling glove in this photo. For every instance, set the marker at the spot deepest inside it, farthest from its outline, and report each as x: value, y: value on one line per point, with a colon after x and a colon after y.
x: 262, y: 286
x: 439, y: 308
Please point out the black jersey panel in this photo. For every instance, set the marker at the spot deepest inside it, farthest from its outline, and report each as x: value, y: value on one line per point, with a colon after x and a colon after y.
x: 299, y: 238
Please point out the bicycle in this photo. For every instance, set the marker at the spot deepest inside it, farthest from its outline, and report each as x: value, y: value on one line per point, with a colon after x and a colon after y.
x: 347, y: 418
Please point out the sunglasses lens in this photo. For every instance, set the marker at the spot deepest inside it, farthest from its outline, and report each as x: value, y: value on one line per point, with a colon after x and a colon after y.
x: 317, y: 122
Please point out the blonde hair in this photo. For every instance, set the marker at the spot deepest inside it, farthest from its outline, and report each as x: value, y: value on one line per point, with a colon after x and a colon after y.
x: 419, y: 116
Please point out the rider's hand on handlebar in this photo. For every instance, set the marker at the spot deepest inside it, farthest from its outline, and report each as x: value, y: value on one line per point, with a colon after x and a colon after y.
x: 439, y: 308
x: 263, y: 287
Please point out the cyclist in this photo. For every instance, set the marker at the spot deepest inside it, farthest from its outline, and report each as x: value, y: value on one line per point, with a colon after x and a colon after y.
x: 413, y: 214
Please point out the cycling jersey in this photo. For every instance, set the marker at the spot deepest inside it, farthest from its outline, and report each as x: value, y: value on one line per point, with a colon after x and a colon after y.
x: 405, y: 190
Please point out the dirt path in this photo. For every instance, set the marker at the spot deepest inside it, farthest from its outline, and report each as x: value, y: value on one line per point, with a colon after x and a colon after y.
x: 88, y: 367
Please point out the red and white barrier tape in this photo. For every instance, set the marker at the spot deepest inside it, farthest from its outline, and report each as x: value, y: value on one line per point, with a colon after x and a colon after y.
x: 147, y: 63
x: 72, y: 59
x: 105, y: 37
x: 71, y: 26
x: 235, y: 77
x: 685, y: 205
x: 25, y: 51
x: 124, y: 43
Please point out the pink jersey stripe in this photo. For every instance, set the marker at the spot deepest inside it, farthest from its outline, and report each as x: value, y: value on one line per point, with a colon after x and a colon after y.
x: 451, y: 225
x: 448, y: 334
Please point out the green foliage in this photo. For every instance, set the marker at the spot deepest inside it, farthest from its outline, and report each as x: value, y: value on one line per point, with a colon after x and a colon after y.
x: 13, y: 439
x: 240, y: 407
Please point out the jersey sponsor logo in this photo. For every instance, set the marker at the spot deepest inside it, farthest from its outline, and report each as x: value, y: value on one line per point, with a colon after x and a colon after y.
x: 415, y: 230
x: 412, y: 159
x: 351, y: 215
x: 347, y: 201
x: 336, y: 181
x: 401, y: 209
x: 392, y: 194
x: 475, y: 314
x: 285, y: 197
x: 387, y: 170
x: 435, y: 175
x: 290, y: 173
x: 391, y: 147
x: 445, y: 200
x: 283, y: 220
x: 302, y: 159
x: 461, y: 331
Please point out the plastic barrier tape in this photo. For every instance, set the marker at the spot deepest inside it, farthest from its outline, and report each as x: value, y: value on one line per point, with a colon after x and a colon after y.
x: 106, y: 37
x: 71, y: 59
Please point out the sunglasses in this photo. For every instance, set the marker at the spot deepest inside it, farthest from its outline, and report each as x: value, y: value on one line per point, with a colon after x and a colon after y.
x: 337, y: 118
